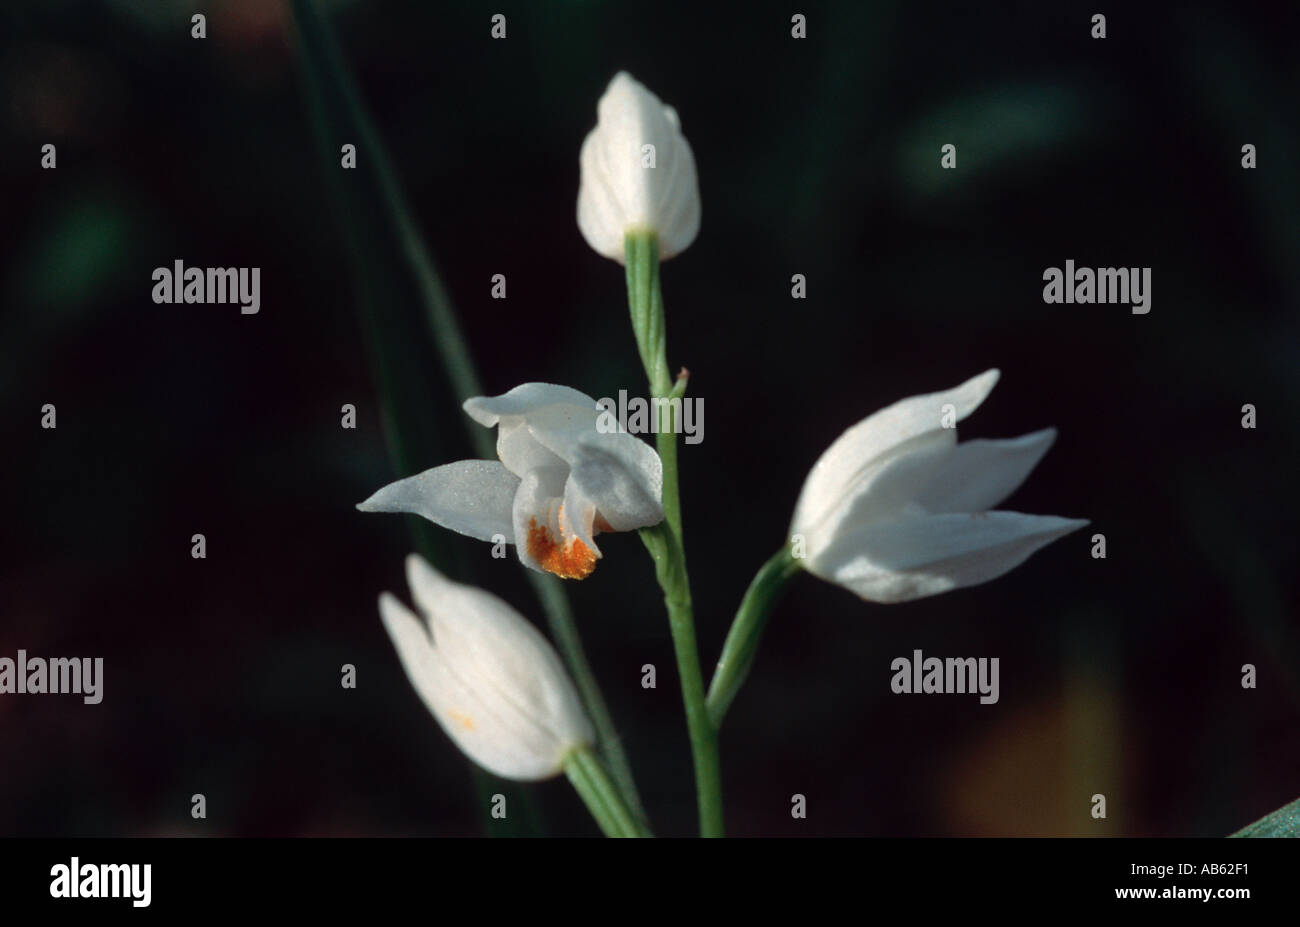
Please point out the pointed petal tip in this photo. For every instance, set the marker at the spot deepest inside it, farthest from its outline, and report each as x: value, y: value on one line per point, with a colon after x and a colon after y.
x: 984, y: 382
x: 1056, y: 527
x: 394, y: 615
x: 380, y: 500
x: 420, y: 573
x: 1043, y: 436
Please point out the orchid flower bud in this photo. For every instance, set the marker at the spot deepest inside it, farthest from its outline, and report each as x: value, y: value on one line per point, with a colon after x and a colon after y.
x: 637, y: 173
x: 493, y: 682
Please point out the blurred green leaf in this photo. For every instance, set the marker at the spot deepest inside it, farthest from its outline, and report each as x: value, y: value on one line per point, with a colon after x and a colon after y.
x: 80, y: 250
x: 394, y: 277
x: 992, y: 128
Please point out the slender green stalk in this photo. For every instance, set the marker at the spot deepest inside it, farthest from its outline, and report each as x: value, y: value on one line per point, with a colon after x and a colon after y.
x: 332, y: 87
x: 747, y: 630
x: 602, y: 796
x: 670, y: 569
x: 666, y: 444
x: 645, y: 303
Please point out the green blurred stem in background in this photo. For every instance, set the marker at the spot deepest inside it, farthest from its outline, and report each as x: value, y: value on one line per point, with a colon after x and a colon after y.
x: 747, y: 630
x: 565, y: 632
x: 664, y: 541
x: 340, y: 116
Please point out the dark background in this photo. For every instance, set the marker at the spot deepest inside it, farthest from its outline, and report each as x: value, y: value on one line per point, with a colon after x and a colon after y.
x: 1119, y: 676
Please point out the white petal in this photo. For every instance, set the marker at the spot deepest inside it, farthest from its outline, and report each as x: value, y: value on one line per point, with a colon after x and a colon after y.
x: 487, y: 410
x: 859, y: 501
x: 980, y: 474
x: 622, y: 476
x: 677, y: 215
x: 837, y: 473
x: 536, y: 516
x: 577, y: 517
x: 494, y: 683
x: 561, y: 428
x: 454, y: 607
x: 501, y: 742
x: 473, y: 497
x: 414, y: 648
x: 492, y: 732
x: 616, y: 193
x: 601, y: 218
x: 972, y: 476
x: 518, y: 449
x: 493, y: 735
x: 480, y: 636
x: 896, y: 561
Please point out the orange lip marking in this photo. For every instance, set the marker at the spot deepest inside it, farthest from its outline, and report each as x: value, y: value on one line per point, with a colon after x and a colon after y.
x: 574, y: 560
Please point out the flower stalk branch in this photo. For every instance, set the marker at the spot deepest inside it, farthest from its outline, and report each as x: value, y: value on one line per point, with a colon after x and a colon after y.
x: 746, y: 632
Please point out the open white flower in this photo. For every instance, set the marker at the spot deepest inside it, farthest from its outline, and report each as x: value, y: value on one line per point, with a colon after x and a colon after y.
x: 559, y: 481
x: 638, y: 173
x: 896, y: 509
x: 493, y: 682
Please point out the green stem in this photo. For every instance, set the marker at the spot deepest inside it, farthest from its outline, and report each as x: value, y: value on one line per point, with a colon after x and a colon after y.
x: 747, y: 630
x: 664, y: 541
x: 666, y: 444
x: 602, y: 796
x: 646, y: 304
x: 670, y: 569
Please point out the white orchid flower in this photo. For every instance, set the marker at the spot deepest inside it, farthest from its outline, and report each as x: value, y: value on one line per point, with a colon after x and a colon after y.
x: 637, y: 173
x: 494, y: 683
x: 896, y: 509
x: 559, y: 482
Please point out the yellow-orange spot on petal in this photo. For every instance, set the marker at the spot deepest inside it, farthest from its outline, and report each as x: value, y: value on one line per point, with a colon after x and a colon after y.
x: 573, y: 560
x: 462, y: 720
